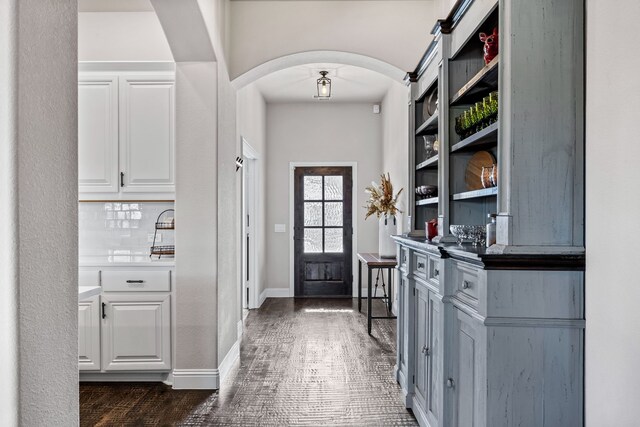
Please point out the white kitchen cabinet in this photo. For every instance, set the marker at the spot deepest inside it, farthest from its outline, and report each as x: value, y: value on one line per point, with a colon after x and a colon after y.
x: 98, y: 133
x: 147, y: 134
x: 89, y: 334
x: 126, y: 135
x: 136, y: 332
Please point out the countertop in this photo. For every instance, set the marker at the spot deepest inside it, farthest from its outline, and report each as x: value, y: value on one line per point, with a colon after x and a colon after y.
x: 125, y: 261
x: 85, y: 292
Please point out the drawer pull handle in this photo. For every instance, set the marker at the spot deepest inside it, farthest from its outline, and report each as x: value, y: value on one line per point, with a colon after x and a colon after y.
x: 420, y: 265
x: 135, y: 281
x: 104, y: 313
x: 466, y: 284
x: 436, y: 273
x: 450, y: 383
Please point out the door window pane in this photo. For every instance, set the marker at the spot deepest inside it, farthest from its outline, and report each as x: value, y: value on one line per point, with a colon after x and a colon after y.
x: 312, y: 240
x: 312, y: 214
x: 333, y: 187
x: 313, y: 188
x: 333, y: 240
x: 333, y: 214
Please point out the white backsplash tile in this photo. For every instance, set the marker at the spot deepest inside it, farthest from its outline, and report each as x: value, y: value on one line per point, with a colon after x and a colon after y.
x: 118, y: 228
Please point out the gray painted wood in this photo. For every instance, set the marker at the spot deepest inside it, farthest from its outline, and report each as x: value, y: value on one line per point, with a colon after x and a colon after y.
x: 512, y: 342
x: 541, y: 121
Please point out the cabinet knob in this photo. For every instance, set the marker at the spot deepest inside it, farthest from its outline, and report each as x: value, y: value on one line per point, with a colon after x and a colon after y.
x: 466, y: 284
x: 450, y: 383
x: 420, y: 265
x: 436, y: 273
x: 425, y: 350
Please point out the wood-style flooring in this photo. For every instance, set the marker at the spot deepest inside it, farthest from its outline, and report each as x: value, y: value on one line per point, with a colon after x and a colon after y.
x: 303, y: 362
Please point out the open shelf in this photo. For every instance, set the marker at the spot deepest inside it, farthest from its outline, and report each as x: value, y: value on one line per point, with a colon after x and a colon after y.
x: 426, y: 202
x: 487, y: 136
x: 430, y: 125
x: 475, y: 194
x: 485, y: 79
x: 430, y: 163
x: 163, y: 250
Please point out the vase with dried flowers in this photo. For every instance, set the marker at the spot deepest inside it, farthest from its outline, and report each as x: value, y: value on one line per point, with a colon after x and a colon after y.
x: 383, y: 204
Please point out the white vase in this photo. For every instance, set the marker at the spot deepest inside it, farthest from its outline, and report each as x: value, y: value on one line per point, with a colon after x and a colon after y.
x: 387, y: 227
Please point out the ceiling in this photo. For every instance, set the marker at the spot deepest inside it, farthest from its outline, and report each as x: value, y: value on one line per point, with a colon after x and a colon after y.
x: 348, y: 84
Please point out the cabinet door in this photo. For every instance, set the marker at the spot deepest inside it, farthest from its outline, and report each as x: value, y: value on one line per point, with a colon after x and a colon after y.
x: 147, y: 128
x: 468, y: 371
x: 421, y: 345
x: 98, y: 134
x: 403, y: 329
x: 136, y: 332
x: 434, y: 362
x: 89, y: 334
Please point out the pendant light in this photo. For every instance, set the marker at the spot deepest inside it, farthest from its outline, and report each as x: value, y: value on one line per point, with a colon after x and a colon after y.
x: 324, y: 86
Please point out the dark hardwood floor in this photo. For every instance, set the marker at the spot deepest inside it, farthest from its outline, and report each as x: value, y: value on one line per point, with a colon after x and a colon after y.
x: 302, y: 362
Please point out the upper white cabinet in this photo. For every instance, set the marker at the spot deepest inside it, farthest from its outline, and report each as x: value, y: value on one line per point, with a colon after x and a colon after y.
x: 147, y: 140
x: 98, y: 134
x: 126, y: 134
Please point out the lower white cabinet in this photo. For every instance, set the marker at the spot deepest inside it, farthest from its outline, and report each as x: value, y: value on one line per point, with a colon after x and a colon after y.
x: 136, y: 331
x: 89, y: 334
x: 128, y: 327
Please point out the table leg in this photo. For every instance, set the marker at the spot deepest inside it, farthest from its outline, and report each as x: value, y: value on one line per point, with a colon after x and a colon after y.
x: 390, y: 289
x: 369, y: 299
x: 359, y: 286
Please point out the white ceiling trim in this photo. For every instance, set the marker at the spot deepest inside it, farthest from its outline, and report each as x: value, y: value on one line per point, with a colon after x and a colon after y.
x: 318, y: 56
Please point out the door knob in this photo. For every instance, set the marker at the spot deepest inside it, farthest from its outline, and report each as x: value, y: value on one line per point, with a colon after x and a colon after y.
x: 450, y: 383
x: 466, y: 284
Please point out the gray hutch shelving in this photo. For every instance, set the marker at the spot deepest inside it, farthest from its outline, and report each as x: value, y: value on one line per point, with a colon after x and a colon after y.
x: 495, y: 336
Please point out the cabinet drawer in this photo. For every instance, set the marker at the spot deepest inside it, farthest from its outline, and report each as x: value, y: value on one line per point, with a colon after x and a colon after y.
x: 420, y: 266
x: 89, y: 278
x: 433, y: 270
x: 404, y: 258
x: 466, y: 282
x: 136, y: 281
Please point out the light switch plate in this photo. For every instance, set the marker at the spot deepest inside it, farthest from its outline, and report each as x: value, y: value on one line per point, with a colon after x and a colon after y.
x: 281, y: 228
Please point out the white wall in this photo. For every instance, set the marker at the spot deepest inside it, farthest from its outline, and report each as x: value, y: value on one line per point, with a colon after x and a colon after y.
x: 396, y: 32
x: 38, y: 207
x: 315, y: 132
x: 121, y: 36
x: 612, y: 212
x: 197, y: 218
x: 252, y: 125
x: 395, y: 147
x: 229, y: 216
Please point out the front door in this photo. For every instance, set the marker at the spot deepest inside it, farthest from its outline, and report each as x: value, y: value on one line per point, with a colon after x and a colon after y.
x: 323, y: 231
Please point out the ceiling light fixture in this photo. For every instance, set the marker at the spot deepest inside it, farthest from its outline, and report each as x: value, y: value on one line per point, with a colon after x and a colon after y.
x: 324, y: 86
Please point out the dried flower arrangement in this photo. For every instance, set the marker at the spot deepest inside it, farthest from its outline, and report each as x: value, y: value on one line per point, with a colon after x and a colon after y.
x: 381, y: 200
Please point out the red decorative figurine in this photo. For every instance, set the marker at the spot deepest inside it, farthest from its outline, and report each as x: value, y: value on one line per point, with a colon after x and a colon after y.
x: 490, y: 45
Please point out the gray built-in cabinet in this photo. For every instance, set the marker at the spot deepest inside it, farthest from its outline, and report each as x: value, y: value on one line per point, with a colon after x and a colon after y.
x: 495, y: 336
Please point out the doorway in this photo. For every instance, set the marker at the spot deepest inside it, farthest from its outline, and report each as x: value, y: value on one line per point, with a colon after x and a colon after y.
x: 323, y: 231
x: 250, y: 193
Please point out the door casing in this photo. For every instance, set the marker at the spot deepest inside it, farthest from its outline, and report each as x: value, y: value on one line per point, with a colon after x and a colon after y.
x: 354, y: 220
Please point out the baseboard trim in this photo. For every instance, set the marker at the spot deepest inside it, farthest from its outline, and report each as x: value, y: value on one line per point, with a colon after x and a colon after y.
x: 240, y: 328
x: 125, y: 377
x: 229, y: 361
x: 277, y: 292
x: 263, y: 297
x: 196, y: 379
